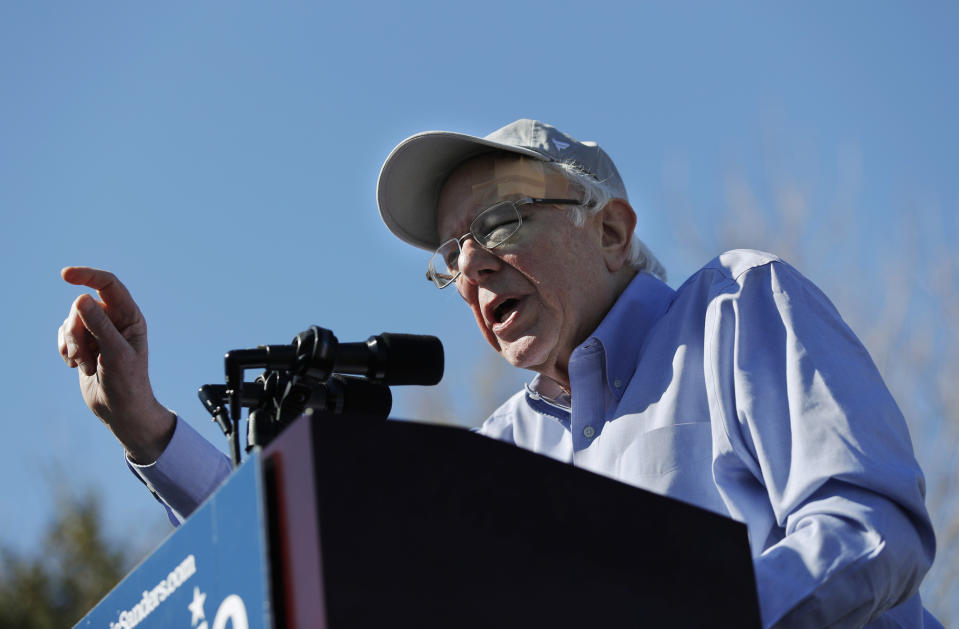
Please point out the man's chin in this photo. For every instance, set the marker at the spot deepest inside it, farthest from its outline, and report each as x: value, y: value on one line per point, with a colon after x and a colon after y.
x: 528, y: 352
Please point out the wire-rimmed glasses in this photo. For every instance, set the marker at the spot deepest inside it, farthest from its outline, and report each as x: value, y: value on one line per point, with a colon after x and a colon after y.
x: 491, y: 228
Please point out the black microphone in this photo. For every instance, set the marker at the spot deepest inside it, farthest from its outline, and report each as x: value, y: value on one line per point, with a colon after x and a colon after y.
x: 393, y: 359
x: 343, y: 395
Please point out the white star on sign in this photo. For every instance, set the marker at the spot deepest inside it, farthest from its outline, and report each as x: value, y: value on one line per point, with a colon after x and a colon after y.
x: 196, y: 607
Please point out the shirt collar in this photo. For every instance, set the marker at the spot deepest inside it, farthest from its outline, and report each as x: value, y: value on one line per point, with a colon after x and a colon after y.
x: 621, y: 334
x: 626, y: 326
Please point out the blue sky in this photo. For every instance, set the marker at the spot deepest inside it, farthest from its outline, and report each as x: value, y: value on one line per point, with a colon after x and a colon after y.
x: 221, y: 158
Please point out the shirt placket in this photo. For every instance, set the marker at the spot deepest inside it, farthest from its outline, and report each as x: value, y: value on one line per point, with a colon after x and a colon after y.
x: 586, y: 379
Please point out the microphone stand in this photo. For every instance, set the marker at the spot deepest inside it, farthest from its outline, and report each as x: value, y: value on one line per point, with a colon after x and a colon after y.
x: 297, y: 378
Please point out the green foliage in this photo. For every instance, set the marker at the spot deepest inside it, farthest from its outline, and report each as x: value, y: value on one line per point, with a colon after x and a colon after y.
x: 76, y: 567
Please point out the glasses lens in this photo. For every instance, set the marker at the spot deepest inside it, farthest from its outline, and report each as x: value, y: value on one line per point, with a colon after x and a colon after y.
x: 444, y: 265
x: 496, y: 225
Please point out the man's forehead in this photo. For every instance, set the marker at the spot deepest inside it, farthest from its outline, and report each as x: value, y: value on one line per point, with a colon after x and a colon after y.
x: 489, y: 179
x: 510, y: 177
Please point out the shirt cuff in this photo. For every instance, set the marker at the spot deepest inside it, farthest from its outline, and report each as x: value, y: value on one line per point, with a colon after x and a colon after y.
x: 187, y: 472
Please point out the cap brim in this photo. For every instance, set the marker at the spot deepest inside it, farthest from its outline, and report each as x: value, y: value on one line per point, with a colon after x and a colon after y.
x: 408, y: 188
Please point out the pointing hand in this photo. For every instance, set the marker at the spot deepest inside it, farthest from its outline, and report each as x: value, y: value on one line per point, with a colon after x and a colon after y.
x: 107, y: 342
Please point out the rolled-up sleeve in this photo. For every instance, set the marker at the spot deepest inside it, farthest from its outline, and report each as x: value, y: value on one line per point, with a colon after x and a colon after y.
x: 815, y: 455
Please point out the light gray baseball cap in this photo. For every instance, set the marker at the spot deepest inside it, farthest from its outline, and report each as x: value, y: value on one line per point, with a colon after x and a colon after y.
x: 411, y: 178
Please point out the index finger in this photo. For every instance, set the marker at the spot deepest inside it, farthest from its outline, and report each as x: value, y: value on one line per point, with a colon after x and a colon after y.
x: 111, y: 290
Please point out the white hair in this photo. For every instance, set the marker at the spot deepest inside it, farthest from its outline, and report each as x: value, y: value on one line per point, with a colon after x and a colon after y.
x: 596, y: 194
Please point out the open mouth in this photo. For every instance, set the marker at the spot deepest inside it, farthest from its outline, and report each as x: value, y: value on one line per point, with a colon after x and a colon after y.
x: 502, y: 311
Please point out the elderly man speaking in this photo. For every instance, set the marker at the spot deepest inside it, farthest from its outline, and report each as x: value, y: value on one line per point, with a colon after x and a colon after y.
x: 742, y: 392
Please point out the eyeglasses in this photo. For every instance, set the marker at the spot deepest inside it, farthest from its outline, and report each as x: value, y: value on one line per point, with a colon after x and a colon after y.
x: 491, y: 228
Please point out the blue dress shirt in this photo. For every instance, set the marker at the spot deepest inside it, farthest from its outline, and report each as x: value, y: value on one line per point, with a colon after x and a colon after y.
x: 742, y: 392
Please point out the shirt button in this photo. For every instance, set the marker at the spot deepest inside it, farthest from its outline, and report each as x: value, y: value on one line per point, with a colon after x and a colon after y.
x: 589, y: 432
x: 617, y: 383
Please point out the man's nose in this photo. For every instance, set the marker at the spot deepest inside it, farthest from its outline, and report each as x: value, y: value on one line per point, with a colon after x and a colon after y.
x: 475, y: 261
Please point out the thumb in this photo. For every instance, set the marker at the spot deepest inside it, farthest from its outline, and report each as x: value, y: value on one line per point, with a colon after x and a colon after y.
x: 99, y: 325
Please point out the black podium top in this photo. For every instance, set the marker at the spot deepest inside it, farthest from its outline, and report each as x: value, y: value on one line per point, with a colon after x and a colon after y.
x: 433, y: 526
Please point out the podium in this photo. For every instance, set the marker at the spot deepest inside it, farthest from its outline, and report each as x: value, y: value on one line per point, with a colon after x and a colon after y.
x: 352, y: 523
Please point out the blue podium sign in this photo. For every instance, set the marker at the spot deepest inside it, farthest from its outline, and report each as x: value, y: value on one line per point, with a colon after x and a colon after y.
x: 213, y: 572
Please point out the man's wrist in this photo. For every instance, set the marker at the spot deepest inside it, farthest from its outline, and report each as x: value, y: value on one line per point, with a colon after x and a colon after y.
x: 151, y: 443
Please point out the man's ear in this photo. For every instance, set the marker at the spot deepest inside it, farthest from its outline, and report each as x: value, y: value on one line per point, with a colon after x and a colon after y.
x: 617, y: 222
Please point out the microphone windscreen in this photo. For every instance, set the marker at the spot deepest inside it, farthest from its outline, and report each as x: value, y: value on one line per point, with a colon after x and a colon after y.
x: 364, y: 397
x: 412, y: 359
x: 346, y: 395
